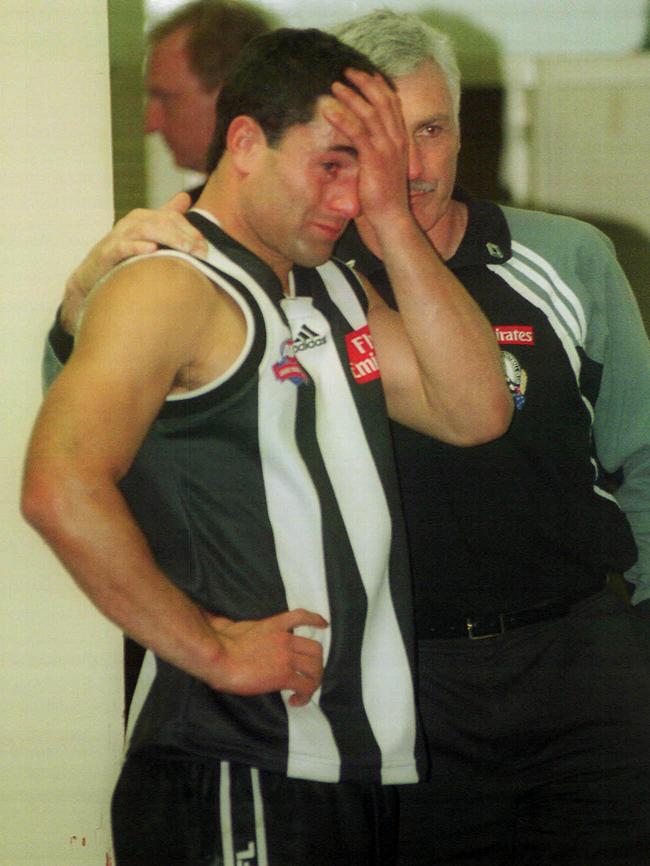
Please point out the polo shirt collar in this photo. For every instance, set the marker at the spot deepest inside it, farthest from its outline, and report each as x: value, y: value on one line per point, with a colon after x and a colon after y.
x: 486, y: 240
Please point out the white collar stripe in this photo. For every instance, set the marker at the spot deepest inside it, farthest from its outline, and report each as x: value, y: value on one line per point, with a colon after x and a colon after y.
x: 558, y: 285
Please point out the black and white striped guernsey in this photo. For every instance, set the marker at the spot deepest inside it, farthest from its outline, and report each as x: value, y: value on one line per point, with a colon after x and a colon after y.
x: 274, y: 488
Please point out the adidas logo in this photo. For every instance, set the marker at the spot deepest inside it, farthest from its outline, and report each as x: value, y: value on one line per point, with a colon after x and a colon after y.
x: 307, y: 338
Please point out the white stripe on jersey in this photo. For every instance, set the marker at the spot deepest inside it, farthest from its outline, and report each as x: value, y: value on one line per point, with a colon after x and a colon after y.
x: 296, y: 523
x: 362, y: 502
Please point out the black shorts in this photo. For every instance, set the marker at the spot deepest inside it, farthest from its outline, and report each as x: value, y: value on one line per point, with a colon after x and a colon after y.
x: 171, y: 811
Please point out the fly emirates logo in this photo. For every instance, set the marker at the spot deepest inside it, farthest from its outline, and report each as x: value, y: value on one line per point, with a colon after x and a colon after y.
x: 361, y: 355
x: 515, y: 335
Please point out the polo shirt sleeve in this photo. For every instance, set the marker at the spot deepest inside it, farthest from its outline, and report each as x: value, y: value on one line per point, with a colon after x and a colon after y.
x: 622, y: 410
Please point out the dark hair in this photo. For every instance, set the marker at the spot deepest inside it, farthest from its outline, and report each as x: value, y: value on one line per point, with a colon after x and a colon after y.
x: 218, y: 30
x: 277, y: 80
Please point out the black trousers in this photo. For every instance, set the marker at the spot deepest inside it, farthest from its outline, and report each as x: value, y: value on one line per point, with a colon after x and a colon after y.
x: 170, y: 811
x: 539, y: 744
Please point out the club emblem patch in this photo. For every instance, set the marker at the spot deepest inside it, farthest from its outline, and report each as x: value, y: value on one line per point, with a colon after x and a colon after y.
x: 516, y: 377
x: 288, y: 368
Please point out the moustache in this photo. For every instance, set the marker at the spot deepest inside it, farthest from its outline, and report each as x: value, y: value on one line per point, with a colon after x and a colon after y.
x: 416, y: 186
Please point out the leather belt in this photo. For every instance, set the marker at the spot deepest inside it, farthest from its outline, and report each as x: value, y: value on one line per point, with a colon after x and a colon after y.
x: 493, y: 625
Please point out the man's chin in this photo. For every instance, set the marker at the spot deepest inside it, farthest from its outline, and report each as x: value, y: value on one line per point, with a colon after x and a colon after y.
x: 424, y: 211
x: 313, y: 256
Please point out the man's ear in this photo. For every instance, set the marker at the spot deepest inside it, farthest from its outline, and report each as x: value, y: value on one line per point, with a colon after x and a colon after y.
x: 245, y: 140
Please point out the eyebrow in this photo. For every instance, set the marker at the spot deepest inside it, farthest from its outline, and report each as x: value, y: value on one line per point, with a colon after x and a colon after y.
x: 344, y: 148
x: 435, y: 118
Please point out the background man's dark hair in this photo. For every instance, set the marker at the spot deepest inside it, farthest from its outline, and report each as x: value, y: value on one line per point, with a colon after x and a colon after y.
x: 218, y: 30
x: 277, y: 80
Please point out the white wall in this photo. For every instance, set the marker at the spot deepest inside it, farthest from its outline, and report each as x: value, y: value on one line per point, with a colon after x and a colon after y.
x: 521, y: 26
x: 60, y: 668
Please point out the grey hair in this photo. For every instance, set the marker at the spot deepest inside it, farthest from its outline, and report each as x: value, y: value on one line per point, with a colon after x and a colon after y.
x: 399, y: 43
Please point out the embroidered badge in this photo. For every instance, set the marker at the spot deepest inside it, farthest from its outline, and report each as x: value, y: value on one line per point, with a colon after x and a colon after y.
x: 288, y: 368
x: 361, y: 355
x: 516, y: 377
x: 515, y: 335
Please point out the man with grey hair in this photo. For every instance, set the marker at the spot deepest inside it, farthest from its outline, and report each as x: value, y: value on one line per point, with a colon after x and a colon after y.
x: 533, y: 683
x: 534, y: 679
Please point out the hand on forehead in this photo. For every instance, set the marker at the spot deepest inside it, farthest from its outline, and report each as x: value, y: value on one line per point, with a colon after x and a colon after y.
x: 370, y: 117
x: 372, y: 108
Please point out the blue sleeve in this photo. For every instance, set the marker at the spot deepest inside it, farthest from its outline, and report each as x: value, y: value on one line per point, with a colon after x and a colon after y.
x: 622, y: 411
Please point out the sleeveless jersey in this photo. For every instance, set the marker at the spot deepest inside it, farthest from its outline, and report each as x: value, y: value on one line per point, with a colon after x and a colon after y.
x: 273, y: 488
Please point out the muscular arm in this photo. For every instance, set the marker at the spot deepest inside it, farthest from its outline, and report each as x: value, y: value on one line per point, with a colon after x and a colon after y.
x: 138, y: 233
x: 145, y: 332
x: 439, y: 361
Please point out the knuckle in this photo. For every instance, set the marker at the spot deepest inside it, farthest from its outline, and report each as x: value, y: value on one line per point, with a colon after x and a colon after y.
x: 121, y: 248
x: 133, y: 216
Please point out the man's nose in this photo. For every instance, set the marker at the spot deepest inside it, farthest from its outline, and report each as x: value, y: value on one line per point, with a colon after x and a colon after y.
x: 344, y: 199
x: 415, y: 165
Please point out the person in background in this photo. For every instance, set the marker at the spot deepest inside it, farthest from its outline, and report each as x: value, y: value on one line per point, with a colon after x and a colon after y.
x: 190, y: 53
x: 213, y: 466
x: 534, y: 675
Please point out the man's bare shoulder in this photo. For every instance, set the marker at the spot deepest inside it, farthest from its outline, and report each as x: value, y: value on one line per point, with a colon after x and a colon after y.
x: 161, y: 310
x: 162, y: 276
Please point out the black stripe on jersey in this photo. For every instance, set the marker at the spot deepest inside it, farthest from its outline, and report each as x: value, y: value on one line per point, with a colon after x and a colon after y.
x: 348, y: 604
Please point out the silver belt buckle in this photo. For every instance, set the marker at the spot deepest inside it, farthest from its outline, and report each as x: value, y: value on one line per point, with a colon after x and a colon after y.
x: 472, y: 625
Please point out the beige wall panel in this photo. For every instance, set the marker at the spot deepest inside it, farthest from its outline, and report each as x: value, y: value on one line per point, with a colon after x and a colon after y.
x: 60, y: 676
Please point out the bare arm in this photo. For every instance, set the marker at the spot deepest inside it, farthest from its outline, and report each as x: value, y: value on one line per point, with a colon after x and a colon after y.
x: 440, y: 363
x: 93, y: 420
x: 138, y: 233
